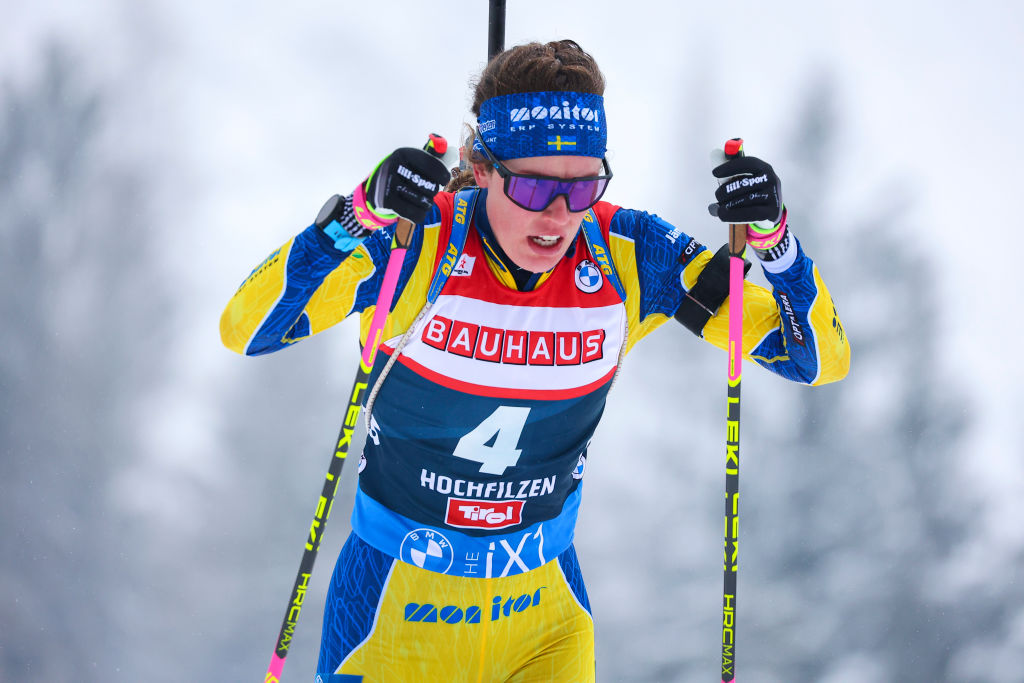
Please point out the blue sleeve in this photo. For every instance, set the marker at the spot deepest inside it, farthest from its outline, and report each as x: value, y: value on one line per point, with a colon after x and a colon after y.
x: 661, y: 253
x: 792, y: 329
x: 271, y: 310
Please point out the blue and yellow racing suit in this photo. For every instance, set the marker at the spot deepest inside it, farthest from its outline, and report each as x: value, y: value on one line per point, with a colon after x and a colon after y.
x: 460, y: 566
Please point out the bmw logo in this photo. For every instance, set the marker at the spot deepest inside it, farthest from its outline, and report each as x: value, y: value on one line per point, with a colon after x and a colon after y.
x: 588, y: 277
x: 427, y: 549
x: 581, y: 467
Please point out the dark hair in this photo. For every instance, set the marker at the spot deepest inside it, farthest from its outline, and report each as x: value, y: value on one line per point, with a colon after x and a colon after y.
x: 533, y: 67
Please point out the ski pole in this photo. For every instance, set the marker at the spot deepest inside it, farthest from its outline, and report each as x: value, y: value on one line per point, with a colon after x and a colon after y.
x: 400, y: 242
x: 495, y: 27
x: 737, y: 244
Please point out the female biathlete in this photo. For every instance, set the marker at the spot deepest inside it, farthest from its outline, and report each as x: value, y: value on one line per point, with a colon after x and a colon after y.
x: 518, y: 298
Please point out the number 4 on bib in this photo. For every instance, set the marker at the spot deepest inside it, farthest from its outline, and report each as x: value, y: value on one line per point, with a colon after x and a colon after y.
x: 494, y: 442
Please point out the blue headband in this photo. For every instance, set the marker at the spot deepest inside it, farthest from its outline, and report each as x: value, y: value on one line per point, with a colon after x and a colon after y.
x: 537, y: 124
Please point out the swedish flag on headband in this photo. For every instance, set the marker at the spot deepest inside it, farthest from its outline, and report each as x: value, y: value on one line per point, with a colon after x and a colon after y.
x: 558, y: 142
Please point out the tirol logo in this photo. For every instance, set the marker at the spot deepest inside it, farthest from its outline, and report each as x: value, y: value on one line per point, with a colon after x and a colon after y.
x: 513, y: 347
x: 483, y: 514
x: 588, y: 277
x: 427, y: 549
x: 464, y: 267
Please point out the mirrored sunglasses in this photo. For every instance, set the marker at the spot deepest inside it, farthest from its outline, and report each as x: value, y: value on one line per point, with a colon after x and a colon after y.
x: 536, y: 192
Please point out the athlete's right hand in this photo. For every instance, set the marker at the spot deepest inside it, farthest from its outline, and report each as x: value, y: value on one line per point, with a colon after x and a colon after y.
x: 404, y: 184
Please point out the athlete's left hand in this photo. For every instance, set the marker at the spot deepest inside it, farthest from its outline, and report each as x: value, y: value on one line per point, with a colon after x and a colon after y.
x: 748, y: 191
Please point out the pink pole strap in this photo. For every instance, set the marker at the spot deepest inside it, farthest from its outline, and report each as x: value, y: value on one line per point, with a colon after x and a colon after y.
x: 759, y: 240
x: 367, y: 217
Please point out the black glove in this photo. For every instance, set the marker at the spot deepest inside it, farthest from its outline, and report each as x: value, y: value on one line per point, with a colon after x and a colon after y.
x: 405, y: 183
x: 748, y: 191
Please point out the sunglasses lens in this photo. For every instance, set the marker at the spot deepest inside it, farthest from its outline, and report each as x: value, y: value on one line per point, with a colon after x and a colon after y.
x: 536, y: 193
x: 584, y: 193
x: 531, y: 193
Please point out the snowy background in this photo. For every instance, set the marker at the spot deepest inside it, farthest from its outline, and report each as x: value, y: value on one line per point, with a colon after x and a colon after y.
x: 156, y: 488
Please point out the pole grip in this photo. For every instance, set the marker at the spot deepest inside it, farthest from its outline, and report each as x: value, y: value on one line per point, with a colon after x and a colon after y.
x: 737, y: 239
